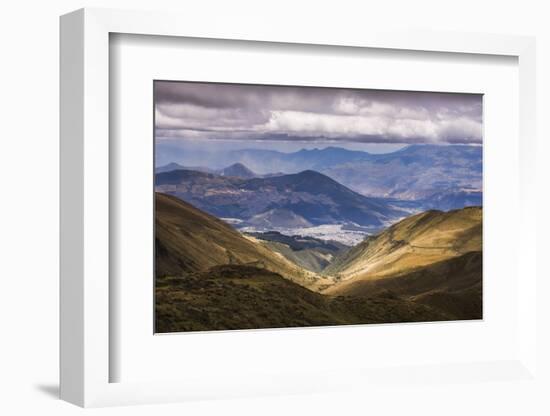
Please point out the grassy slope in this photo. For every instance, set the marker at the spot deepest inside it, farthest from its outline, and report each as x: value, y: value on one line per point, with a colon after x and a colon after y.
x: 245, y: 297
x: 190, y: 240
x: 433, y: 258
x: 417, y: 241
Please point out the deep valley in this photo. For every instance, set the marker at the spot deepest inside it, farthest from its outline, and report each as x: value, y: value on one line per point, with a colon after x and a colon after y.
x: 210, y: 276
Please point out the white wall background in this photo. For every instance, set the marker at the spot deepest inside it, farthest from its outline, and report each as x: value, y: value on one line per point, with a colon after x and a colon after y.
x: 29, y: 207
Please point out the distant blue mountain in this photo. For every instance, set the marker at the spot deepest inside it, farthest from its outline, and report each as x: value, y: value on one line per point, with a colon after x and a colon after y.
x: 176, y: 166
x: 305, y: 198
x: 443, y: 201
x: 169, y: 167
x: 415, y: 172
x: 237, y: 169
x: 441, y: 176
x: 268, y: 161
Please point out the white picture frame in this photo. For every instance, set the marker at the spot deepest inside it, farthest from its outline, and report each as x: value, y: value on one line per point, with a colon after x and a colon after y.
x: 85, y: 210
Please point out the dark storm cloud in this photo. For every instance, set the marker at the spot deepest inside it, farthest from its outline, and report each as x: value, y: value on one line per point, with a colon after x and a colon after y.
x: 255, y: 112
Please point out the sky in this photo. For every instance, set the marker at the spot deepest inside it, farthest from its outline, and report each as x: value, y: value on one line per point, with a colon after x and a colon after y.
x: 294, y: 117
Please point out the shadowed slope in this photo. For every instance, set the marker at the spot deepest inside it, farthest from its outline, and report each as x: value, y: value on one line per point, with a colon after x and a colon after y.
x: 245, y: 297
x: 453, y: 285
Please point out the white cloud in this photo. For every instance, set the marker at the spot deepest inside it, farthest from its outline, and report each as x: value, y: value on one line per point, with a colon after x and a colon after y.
x: 193, y: 110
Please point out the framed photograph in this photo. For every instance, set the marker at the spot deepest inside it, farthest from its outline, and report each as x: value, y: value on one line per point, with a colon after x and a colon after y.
x: 270, y: 212
x: 315, y: 206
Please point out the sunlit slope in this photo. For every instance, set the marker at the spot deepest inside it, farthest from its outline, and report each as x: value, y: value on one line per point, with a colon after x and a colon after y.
x: 415, y: 242
x: 189, y: 240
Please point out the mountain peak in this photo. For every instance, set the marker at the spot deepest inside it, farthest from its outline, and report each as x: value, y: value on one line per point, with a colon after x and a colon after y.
x: 239, y: 170
x: 168, y: 167
x: 313, y: 177
x: 237, y: 165
x: 311, y: 173
x: 338, y: 149
x: 304, y: 150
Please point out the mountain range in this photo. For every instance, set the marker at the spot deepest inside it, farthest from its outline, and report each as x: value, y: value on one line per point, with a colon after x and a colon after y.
x: 304, y: 199
x: 237, y: 170
x: 434, y: 176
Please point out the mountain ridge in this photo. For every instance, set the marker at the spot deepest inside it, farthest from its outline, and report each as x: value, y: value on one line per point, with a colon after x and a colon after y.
x: 310, y: 195
x: 436, y: 176
x: 417, y: 241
